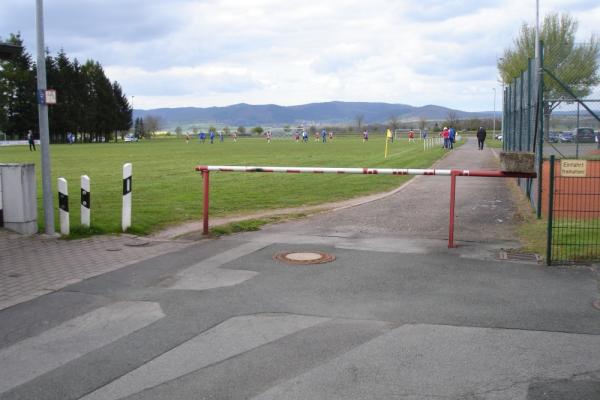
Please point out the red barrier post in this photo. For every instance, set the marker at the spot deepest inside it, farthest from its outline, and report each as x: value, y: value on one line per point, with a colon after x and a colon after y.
x: 205, y: 174
x: 453, y: 175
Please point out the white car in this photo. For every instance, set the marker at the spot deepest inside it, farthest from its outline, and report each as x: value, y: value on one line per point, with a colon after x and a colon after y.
x: 130, y: 138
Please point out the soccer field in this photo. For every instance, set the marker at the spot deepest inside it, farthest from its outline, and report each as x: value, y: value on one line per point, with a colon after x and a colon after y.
x: 167, y: 190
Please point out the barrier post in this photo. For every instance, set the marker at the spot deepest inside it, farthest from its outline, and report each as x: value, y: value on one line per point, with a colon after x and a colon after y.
x: 127, y: 182
x: 85, y: 201
x: 63, y: 206
x: 453, y: 175
x: 205, y: 175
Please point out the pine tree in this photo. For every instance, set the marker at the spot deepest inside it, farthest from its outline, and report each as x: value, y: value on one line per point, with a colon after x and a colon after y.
x: 18, y: 102
x: 123, y: 110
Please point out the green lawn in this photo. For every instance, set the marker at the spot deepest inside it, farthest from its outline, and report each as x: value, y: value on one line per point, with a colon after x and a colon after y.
x: 167, y: 190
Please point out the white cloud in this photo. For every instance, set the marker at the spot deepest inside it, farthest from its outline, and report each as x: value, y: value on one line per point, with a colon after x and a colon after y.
x: 220, y: 52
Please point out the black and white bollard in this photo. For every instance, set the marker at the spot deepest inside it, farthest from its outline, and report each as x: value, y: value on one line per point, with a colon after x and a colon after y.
x: 126, y: 215
x: 63, y: 205
x: 85, y: 201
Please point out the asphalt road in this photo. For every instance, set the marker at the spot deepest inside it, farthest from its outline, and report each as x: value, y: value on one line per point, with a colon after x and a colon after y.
x: 396, y: 315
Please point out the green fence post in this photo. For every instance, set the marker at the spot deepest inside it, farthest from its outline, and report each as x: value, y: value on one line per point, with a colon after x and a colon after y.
x: 540, y: 137
x: 529, y: 104
x: 550, y: 212
x: 505, y: 111
x: 529, y: 147
x: 521, y: 79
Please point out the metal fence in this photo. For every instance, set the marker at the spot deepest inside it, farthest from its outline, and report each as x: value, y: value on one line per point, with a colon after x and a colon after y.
x: 521, y: 119
x: 553, y: 110
x: 574, y: 213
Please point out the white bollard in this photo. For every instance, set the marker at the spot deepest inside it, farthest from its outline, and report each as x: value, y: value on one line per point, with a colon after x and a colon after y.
x: 86, y: 198
x: 126, y: 220
x: 63, y: 205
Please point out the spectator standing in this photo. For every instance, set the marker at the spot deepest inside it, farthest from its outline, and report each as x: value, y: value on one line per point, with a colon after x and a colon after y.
x: 481, y: 134
x: 451, y: 137
x: 31, y: 141
x: 445, y: 134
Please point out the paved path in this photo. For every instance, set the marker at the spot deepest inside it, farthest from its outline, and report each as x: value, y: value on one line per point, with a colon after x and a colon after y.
x: 397, y: 315
x: 36, y: 265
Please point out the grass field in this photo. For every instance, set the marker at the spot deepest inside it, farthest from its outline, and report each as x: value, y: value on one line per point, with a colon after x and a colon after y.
x: 167, y: 190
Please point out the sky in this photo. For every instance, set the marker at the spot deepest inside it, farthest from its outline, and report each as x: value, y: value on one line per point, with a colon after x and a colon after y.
x: 203, y: 53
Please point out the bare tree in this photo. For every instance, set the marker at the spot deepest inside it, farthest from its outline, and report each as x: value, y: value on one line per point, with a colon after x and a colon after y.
x: 359, y: 118
x: 152, y: 123
x: 451, y: 119
x: 394, y: 122
x: 422, y: 123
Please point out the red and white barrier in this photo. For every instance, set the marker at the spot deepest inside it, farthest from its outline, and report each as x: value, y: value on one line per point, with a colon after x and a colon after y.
x: 453, y: 173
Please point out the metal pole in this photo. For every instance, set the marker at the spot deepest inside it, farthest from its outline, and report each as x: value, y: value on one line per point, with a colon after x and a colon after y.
x: 550, y: 212
x: 540, y: 137
x: 494, y: 123
x: 537, y: 26
x: 453, y: 175
x: 205, y: 175
x: 43, y: 122
x: 576, y: 136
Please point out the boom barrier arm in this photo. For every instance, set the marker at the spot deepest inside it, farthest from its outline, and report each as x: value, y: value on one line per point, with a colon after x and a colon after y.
x: 453, y: 173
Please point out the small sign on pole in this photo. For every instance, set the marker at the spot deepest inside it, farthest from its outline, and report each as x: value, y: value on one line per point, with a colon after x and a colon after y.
x: 50, y: 96
x: 573, y: 168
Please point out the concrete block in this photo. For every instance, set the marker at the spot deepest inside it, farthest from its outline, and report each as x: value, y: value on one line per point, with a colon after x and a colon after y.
x: 517, y: 161
x: 19, y: 197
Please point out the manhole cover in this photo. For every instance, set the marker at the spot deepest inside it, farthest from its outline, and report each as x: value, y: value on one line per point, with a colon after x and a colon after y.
x: 515, y: 255
x: 304, y: 257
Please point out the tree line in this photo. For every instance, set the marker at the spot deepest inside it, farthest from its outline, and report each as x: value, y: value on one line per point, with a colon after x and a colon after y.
x: 89, y: 105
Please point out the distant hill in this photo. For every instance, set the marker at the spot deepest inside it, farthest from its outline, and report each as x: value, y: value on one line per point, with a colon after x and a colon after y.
x: 334, y: 112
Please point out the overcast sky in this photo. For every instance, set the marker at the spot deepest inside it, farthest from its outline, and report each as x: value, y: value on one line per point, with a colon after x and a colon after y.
x: 219, y: 52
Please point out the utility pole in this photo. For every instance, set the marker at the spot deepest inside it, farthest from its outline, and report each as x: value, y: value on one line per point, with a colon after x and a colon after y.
x: 43, y: 121
x: 537, y: 26
x: 494, y: 123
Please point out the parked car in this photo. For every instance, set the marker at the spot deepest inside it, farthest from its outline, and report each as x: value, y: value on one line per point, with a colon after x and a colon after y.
x: 584, y: 135
x: 130, y: 138
x: 553, y: 137
x: 566, y: 137
x: 498, y: 137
